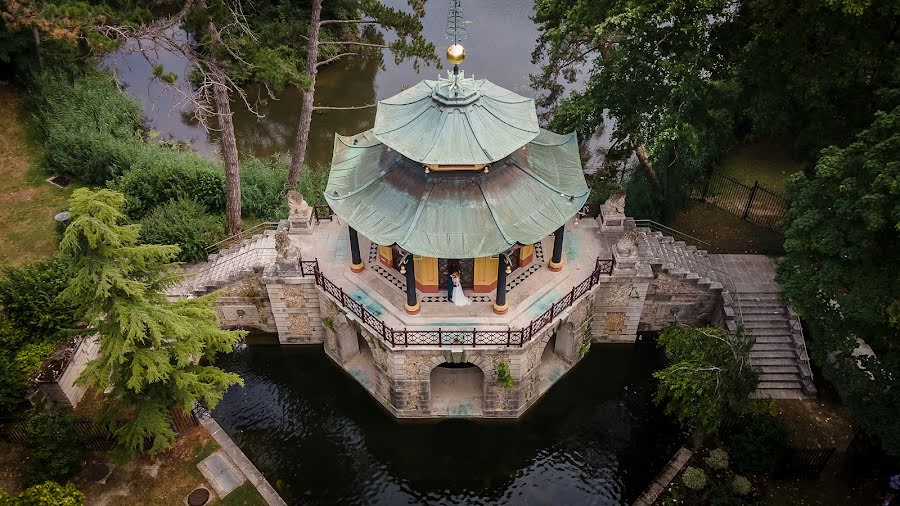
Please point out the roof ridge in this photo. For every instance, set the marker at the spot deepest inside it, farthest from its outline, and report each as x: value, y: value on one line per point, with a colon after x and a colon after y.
x: 494, y: 215
x: 419, y: 209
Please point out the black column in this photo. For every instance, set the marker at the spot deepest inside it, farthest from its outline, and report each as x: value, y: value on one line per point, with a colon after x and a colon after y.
x: 556, y: 259
x: 500, y: 306
x: 354, y: 251
x: 412, y: 305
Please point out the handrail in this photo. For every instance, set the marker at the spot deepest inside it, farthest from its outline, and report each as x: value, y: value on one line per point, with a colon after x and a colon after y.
x: 267, y: 225
x: 440, y: 337
x: 652, y: 224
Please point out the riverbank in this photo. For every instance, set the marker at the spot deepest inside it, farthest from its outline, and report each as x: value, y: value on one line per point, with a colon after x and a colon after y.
x: 27, y: 202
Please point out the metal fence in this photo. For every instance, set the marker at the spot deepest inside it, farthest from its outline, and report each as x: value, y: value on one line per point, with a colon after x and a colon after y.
x: 756, y: 203
x: 803, y: 462
x: 441, y: 337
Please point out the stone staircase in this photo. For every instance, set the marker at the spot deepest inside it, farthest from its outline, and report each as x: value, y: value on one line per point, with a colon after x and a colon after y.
x: 248, y: 256
x: 779, y: 351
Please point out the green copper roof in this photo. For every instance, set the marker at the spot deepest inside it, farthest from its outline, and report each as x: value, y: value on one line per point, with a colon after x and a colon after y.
x: 456, y: 121
x: 390, y: 199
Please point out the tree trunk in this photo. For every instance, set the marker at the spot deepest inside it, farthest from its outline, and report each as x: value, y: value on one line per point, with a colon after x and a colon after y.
x: 37, y: 47
x: 298, y: 154
x: 641, y: 151
x: 229, y: 142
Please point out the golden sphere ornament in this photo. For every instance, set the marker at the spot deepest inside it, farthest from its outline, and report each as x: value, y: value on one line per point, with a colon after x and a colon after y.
x: 456, y: 53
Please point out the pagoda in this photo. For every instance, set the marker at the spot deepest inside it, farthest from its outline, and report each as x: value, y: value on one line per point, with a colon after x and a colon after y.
x: 457, y: 172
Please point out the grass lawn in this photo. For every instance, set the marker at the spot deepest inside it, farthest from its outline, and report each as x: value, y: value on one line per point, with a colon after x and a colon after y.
x: 764, y: 161
x: 726, y: 232
x: 165, y: 479
x: 27, y: 202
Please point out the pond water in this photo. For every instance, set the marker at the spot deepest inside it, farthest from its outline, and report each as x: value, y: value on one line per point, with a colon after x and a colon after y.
x: 501, y: 37
x: 319, y: 438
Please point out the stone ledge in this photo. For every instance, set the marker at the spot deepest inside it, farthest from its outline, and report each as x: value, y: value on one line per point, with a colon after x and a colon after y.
x: 664, y: 477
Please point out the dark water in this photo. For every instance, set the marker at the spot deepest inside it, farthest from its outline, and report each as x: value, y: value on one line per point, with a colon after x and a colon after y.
x: 501, y: 37
x: 321, y: 439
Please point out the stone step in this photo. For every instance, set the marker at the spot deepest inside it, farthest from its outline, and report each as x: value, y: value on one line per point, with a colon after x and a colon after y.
x: 786, y: 354
x: 766, y: 310
x: 779, y: 369
x: 763, y: 303
x: 779, y: 338
x: 752, y: 325
x: 766, y: 362
x: 782, y: 393
x: 756, y: 317
x: 772, y: 346
x: 768, y: 332
x: 781, y: 378
x: 779, y: 384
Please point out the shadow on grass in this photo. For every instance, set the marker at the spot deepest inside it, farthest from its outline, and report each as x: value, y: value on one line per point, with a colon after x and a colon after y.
x: 726, y: 232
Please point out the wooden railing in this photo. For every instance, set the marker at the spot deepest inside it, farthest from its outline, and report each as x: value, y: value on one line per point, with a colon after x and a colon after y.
x: 441, y: 337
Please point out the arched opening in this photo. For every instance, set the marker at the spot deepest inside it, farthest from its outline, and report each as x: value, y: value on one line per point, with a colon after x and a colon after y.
x: 457, y: 390
x: 362, y: 365
x: 552, y: 366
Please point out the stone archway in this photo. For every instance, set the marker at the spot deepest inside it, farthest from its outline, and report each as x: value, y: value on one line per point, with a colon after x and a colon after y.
x: 457, y: 389
x: 362, y: 365
x: 552, y: 366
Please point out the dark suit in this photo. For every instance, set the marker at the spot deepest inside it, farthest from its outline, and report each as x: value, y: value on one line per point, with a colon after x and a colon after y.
x: 449, y: 287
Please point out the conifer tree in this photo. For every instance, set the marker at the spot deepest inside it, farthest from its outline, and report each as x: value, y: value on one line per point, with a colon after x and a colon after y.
x: 150, y: 348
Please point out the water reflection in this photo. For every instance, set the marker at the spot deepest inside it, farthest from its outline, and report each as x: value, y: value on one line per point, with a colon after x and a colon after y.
x: 501, y: 38
x: 319, y: 438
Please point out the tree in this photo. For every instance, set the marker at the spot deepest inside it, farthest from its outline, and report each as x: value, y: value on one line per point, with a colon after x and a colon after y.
x: 151, y: 349
x: 321, y: 50
x: 841, y: 269
x: 46, y: 494
x: 708, y: 376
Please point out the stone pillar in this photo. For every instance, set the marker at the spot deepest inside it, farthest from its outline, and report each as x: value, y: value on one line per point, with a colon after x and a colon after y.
x: 412, y: 305
x: 357, y: 265
x: 612, y: 214
x: 556, y: 261
x: 500, y: 305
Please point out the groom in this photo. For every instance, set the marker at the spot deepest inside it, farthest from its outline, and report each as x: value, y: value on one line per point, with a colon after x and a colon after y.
x: 451, y: 268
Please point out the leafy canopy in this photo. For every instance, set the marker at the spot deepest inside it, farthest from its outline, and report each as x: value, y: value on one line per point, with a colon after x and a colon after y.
x: 708, y: 377
x: 150, y: 348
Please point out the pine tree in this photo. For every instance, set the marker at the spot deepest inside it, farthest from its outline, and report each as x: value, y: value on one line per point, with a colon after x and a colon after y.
x: 151, y: 349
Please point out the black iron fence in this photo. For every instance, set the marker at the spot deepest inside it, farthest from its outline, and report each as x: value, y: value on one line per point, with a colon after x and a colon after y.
x: 441, y: 337
x: 754, y: 203
x: 322, y: 212
x: 803, y: 462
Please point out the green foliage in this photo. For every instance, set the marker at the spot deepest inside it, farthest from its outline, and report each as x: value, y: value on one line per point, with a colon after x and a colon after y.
x: 694, y: 478
x: 12, y: 384
x: 503, y: 375
x: 90, y: 128
x: 151, y: 349
x: 328, y: 321
x: 717, y: 459
x: 757, y: 444
x: 740, y: 486
x: 47, y: 494
x: 262, y: 188
x: 312, y: 184
x: 56, y: 447
x: 184, y: 223
x: 840, y: 271
x: 708, y: 376
x: 29, y: 295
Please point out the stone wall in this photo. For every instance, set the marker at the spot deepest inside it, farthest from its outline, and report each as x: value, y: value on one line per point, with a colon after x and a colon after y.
x: 619, y: 306
x: 686, y: 300
x: 296, y: 308
x: 64, y: 390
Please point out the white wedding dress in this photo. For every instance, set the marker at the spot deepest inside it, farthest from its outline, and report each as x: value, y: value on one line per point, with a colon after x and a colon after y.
x: 459, y: 298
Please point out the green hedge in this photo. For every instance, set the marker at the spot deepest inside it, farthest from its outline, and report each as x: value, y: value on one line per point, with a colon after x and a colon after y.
x: 184, y: 223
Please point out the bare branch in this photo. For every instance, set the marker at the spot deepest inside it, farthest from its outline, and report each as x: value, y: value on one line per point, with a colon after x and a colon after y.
x: 325, y: 108
x: 333, y: 58
x: 353, y: 21
x: 352, y: 43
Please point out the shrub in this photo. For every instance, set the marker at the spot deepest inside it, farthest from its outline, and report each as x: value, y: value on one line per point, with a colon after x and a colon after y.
x: 12, y: 385
x: 312, y: 183
x: 757, y: 444
x: 90, y: 128
x: 262, y: 189
x: 159, y: 175
x: 717, y: 459
x: 29, y: 297
x: 720, y: 495
x: 740, y: 485
x: 56, y: 447
x: 503, y: 375
x: 184, y: 223
x: 694, y: 478
x: 49, y: 494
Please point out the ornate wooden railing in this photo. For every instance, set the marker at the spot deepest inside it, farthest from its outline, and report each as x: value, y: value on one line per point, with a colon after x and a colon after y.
x: 442, y: 337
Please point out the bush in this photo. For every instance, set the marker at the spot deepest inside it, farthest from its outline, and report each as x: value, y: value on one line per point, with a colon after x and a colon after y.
x: 262, y: 189
x: 90, y: 128
x: 47, y: 494
x: 694, y: 478
x: 717, y: 459
x: 29, y: 297
x: 184, y: 223
x: 56, y: 447
x: 12, y: 385
x: 758, y: 444
x: 159, y: 175
x: 741, y: 486
x: 312, y: 183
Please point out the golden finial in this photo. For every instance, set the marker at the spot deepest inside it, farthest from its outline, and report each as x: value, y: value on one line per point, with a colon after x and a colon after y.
x: 456, y: 53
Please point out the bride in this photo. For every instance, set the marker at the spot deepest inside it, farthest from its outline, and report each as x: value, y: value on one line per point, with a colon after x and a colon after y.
x: 459, y: 298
